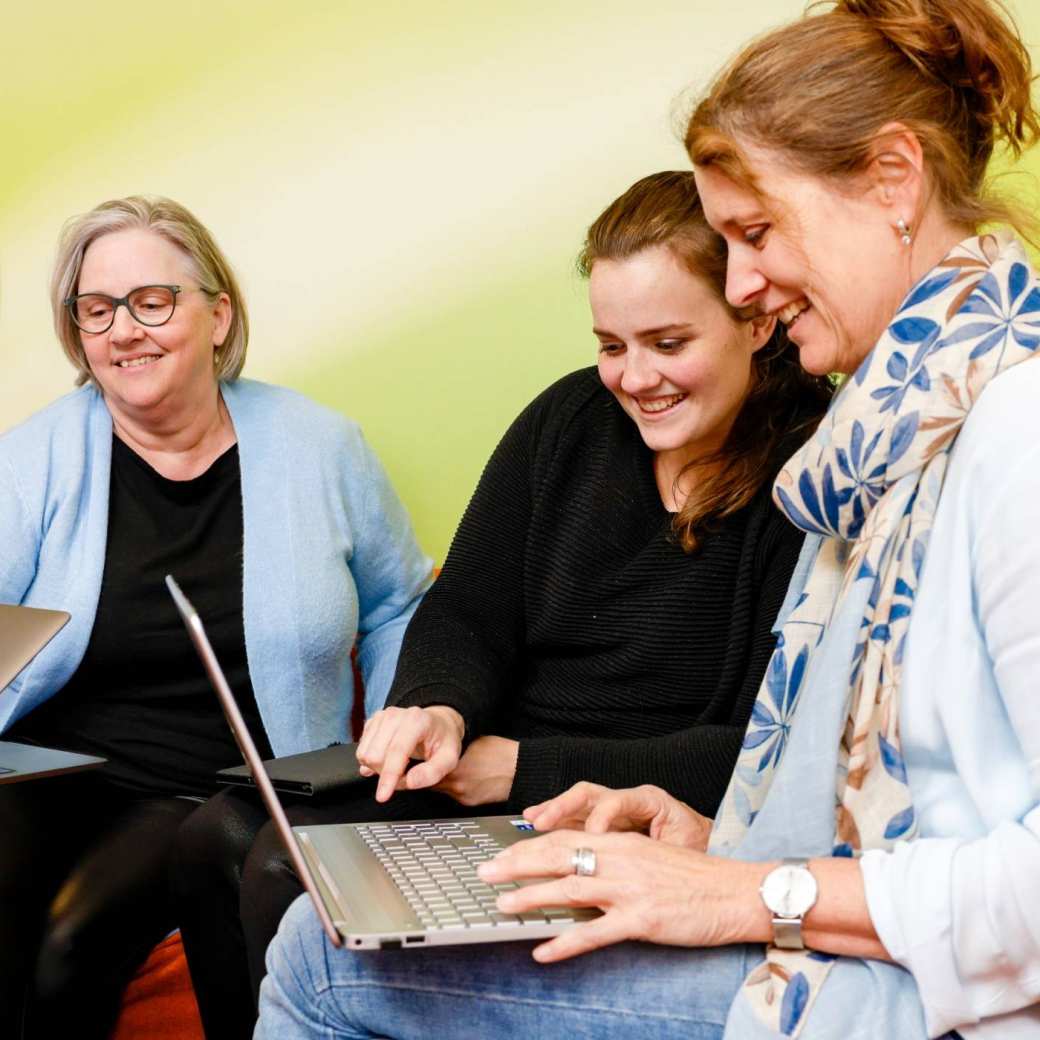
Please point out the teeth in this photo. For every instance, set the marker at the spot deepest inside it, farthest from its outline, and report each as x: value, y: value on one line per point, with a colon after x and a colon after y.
x: 136, y: 362
x: 661, y: 403
x: 788, y: 314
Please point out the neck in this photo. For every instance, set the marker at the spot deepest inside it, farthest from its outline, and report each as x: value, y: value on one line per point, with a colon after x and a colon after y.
x: 673, y: 484
x: 181, y: 444
x: 933, y: 239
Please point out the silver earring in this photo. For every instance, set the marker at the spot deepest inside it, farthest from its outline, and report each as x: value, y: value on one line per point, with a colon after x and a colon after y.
x: 905, y: 231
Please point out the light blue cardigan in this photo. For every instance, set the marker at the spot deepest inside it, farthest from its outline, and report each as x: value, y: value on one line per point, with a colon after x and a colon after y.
x: 328, y: 553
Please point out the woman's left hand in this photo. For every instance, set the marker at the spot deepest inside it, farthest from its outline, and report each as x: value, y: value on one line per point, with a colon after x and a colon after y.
x: 597, y: 809
x: 648, y: 890
x: 484, y: 774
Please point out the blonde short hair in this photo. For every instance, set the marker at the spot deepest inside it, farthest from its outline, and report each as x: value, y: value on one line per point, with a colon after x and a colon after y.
x: 178, y: 226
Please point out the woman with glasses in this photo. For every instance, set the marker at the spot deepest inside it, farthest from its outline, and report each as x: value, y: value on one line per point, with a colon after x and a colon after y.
x: 872, y: 871
x: 274, y: 517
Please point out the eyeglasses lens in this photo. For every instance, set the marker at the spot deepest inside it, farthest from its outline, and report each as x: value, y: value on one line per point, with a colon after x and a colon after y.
x: 152, y: 305
x: 149, y: 305
x: 92, y: 313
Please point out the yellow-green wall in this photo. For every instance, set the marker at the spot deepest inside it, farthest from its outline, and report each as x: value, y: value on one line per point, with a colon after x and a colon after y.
x: 402, y: 186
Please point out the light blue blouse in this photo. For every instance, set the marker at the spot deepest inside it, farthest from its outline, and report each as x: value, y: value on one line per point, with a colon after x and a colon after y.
x: 960, y: 906
x: 328, y: 552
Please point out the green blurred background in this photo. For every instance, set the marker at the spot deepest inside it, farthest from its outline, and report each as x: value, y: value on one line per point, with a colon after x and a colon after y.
x: 402, y: 186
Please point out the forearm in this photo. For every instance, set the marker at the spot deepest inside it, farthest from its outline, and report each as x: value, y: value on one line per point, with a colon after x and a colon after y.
x: 839, y: 923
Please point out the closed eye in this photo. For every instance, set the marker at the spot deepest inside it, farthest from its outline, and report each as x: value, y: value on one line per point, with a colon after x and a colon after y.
x: 755, y: 235
x: 670, y: 346
x: 611, y: 347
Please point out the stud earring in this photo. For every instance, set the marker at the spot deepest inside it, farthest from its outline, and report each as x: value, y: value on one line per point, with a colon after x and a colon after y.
x: 905, y: 231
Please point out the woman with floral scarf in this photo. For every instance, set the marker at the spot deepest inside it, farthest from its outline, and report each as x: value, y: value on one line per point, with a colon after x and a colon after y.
x: 872, y: 870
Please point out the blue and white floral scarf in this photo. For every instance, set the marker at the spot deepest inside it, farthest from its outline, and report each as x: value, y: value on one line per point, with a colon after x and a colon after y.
x: 827, y: 777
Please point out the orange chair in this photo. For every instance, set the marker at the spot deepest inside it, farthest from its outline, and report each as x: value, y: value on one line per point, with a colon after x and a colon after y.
x: 159, y: 1003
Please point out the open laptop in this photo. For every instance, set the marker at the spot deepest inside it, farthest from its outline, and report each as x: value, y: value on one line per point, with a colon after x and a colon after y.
x: 24, y: 632
x: 391, y: 885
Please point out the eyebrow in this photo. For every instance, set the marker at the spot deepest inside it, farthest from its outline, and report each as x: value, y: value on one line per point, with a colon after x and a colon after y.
x: 647, y: 333
x: 742, y: 220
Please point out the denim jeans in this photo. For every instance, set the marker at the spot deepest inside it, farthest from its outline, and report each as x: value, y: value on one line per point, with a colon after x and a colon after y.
x: 313, y: 990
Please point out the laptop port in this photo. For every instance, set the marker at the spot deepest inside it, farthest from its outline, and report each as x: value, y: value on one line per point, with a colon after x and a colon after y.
x: 389, y: 944
x: 414, y: 939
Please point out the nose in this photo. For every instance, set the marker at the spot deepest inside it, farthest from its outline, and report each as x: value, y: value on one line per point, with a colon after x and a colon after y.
x: 744, y: 281
x: 124, y: 329
x: 640, y: 374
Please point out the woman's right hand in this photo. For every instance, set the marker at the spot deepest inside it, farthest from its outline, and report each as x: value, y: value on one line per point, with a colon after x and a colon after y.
x: 597, y: 809
x: 394, y: 736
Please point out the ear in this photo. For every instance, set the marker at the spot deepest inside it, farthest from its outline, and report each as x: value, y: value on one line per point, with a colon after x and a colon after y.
x: 761, y: 329
x: 895, y: 172
x: 222, y: 315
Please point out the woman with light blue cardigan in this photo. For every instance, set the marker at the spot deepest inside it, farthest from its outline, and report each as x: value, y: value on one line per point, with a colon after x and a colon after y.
x: 276, y: 518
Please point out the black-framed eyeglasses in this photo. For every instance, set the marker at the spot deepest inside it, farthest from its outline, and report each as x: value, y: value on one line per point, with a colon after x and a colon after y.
x: 150, y: 305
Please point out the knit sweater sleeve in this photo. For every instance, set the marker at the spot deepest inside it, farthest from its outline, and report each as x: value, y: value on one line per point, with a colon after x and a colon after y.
x: 463, y: 646
x: 693, y: 764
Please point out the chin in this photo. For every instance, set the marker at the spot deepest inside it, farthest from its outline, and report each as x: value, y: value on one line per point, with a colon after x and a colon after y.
x: 666, y: 443
x: 817, y: 360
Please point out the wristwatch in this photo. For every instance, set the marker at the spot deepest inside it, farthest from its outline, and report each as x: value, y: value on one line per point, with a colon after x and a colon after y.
x: 789, y: 892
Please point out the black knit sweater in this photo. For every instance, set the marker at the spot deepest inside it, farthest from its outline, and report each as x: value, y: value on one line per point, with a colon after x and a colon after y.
x: 567, y: 616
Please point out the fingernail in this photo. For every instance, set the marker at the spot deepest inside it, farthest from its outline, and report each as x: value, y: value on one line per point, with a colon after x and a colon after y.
x: 506, y: 902
x: 487, y: 869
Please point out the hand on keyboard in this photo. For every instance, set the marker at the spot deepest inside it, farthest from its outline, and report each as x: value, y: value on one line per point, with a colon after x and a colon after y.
x: 598, y: 809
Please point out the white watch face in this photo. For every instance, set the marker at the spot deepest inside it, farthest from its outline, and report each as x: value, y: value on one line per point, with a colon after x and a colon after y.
x: 789, y: 891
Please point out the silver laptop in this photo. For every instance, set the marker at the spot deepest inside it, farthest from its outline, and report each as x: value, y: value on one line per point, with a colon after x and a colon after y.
x: 24, y: 632
x: 393, y: 885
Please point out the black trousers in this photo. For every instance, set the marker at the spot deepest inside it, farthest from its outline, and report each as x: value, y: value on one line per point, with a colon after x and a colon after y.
x: 233, y: 881
x: 84, y: 896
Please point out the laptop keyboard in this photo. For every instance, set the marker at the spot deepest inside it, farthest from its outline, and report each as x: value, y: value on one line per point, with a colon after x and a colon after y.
x: 434, y: 864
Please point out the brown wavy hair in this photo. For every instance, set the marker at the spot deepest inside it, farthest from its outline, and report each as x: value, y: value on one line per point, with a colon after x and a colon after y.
x: 784, y: 403
x: 954, y: 72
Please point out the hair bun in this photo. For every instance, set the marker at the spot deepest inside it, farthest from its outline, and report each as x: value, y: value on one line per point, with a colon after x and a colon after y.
x: 974, y: 47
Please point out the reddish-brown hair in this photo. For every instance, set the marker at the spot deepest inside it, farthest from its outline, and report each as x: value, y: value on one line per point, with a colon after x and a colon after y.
x: 818, y: 91
x: 784, y: 402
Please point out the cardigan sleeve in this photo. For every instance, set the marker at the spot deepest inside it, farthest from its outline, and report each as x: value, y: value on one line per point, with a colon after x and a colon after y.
x: 693, y: 764
x: 391, y: 573
x: 20, y: 543
x: 961, y: 912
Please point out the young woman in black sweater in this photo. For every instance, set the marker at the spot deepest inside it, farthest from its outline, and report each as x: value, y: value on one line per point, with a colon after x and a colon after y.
x: 605, y: 611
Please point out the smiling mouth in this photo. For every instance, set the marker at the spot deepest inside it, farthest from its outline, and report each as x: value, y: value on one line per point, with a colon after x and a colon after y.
x: 790, y: 314
x: 137, y: 362
x: 657, y: 405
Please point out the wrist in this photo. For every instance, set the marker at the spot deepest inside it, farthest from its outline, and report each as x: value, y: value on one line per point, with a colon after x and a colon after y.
x: 754, y: 920
x: 451, y: 716
x: 512, y: 753
x: 789, y: 891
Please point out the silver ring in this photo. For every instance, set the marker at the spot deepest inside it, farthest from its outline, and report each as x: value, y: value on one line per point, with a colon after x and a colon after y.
x: 584, y: 862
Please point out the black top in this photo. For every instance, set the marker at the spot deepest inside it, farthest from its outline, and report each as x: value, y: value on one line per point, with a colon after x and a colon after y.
x: 140, y: 697
x: 568, y: 617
